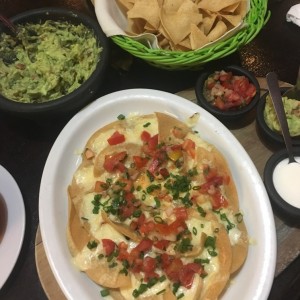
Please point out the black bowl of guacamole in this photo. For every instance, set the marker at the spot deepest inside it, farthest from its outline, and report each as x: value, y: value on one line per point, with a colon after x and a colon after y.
x: 54, y: 65
x: 268, y: 125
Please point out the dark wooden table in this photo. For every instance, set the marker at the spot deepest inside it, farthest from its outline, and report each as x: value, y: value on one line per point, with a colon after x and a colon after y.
x: 24, y: 146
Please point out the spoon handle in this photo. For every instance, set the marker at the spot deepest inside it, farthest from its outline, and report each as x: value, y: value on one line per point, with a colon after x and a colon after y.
x: 8, y: 23
x: 275, y: 94
x: 297, y: 86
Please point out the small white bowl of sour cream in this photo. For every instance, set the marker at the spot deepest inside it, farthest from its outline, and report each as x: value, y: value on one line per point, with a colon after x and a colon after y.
x: 282, y: 181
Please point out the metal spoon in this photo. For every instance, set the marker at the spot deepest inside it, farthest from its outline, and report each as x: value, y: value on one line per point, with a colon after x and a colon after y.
x: 275, y: 94
x: 294, y: 92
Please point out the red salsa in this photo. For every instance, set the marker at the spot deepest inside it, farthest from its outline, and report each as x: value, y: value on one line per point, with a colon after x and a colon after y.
x: 227, y: 91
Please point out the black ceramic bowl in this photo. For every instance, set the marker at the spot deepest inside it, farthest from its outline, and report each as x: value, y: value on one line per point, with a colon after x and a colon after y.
x: 265, y: 130
x: 228, y: 115
x: 85, y: 93
x: 287, y: 212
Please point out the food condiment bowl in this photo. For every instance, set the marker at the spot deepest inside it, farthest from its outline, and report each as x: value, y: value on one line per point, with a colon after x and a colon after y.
x: 68, y: 101
x: 278, y: 178
x: 237, y: 108
x: 266, y: 132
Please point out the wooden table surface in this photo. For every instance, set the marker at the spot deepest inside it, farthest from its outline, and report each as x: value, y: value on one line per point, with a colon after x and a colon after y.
x: 288, y: 242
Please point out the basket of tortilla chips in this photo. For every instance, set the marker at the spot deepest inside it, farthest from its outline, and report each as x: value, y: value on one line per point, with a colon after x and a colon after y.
x: 181, y: 34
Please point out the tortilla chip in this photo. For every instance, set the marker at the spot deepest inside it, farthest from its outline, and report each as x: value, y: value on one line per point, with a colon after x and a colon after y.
x: 219, y: 280
x: 231, y: 8
x: 108, y: 277
x: 217, y: 31
x: 242, y: 9
x: 240, y: 250
x: 177, y: 25
x: 172, y: 5
x: 233, y: 20
x: 77, y: 236
x: 197, y: 37
x: 208, y: 22
x: 147, y: 10
x: 166, y: 124
x: 125, y: 4
x: 188, y: 6
x: 215, y: 5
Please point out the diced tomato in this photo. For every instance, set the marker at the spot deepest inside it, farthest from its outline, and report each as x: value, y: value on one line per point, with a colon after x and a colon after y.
x: 159, y: 157
x: 164, y: 173
x: 126, y: 211
x: 137, y: 265
x: 165, y: 260
x: 123, y: 253
x: 114, y: 162
x: 215, y: 181
x: 149, y: 264
x: 228, y: 91
x: 116, y: 138
x: 141, y: 219
x: 218, y: 200
x: 219, y: 103
x: 178, y: 133
x: 209, y: 172
x: 173, y: 269
x: 109, y: 246
x: 225, y: 76
x: 89, y: 154
x: 150, y: 146
x: 250, y: 93
x: 153, y: 142
x: 186, y: 274
x: 180, y: 213
x: 175, y: 227
x: 234, y: 97
x: 143, y: 246
x: 146, y: 227
x: 189, y: 146
x: 100, y: 186
x: 140, y: 161
x: 145, y: 136
x: 161, y: 244
x: 133, y: 225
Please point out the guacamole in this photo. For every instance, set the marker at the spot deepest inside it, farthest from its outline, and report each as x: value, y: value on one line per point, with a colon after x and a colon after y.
x: 46, y: 60
x: 292, y: 111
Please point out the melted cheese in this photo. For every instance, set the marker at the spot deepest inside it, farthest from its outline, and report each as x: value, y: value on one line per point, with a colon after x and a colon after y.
x: 201, y: 226
x: 87, y: 258
x: 84, y: 177
x: 153, y: 291
x: 233, y: 233
x: 100, y: 230
x: 193, y: 292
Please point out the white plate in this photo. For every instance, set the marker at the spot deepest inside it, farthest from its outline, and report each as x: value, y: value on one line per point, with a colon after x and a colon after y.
x: 253, y: 281
x: 14, y: 234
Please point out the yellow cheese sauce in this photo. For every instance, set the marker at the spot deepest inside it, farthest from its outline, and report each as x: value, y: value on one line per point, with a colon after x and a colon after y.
x: 163, y: 226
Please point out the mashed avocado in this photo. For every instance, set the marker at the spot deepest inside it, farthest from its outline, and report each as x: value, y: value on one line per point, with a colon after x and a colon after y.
x: 292, y: 111
x: 46, y: 61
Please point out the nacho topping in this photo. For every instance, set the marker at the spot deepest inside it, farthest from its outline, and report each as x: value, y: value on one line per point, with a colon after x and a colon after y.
x: 157, y: 209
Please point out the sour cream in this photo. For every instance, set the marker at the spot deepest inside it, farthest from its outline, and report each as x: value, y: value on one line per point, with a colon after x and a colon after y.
x: 286, y: 178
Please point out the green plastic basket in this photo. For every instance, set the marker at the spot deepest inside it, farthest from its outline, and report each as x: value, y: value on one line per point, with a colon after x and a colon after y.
x: 256, y: 18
